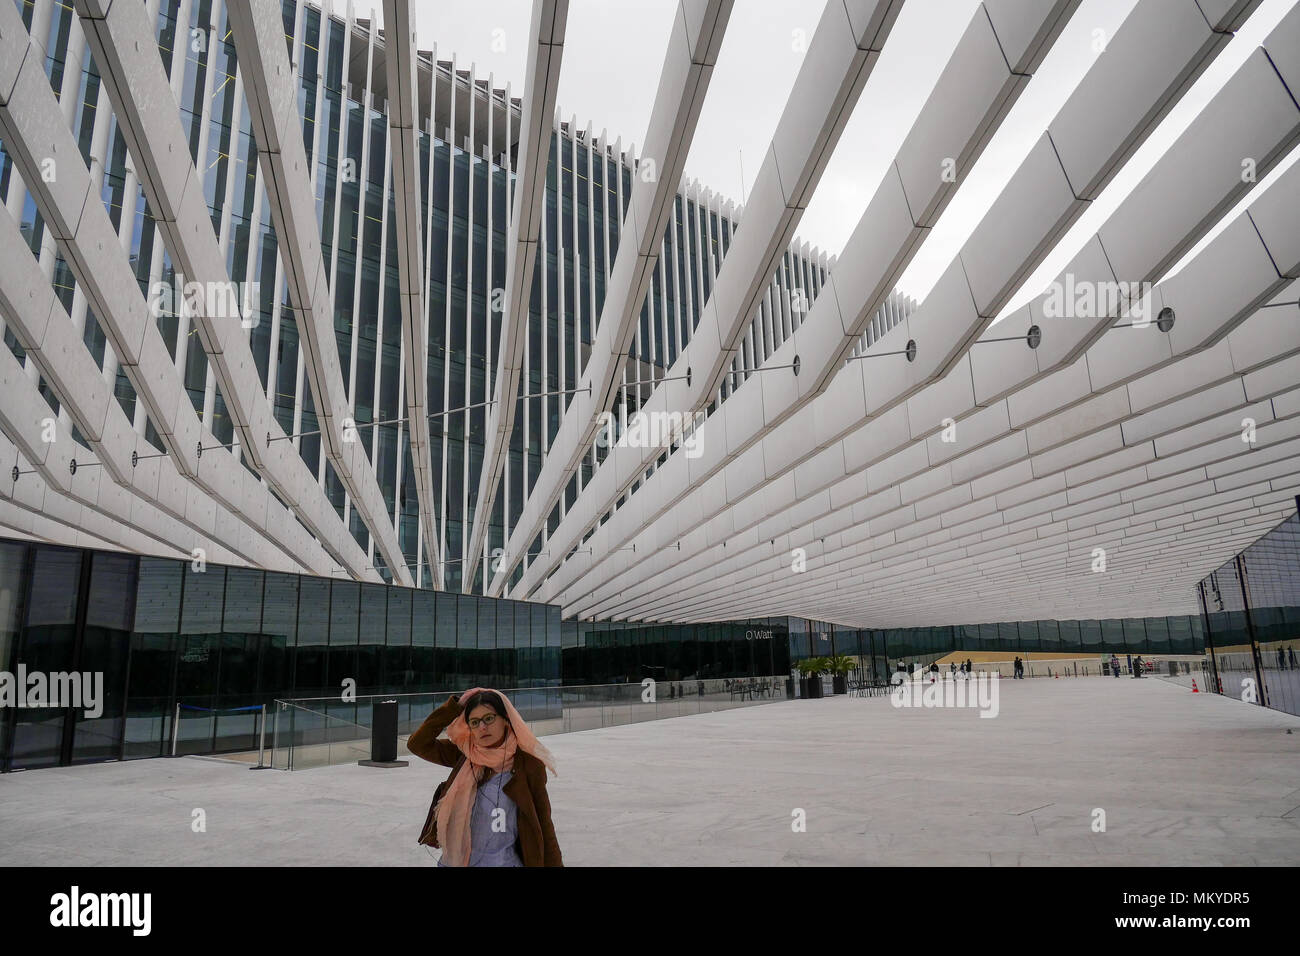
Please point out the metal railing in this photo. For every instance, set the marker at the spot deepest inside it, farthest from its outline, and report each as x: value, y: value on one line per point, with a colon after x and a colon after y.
x: 323, y: 731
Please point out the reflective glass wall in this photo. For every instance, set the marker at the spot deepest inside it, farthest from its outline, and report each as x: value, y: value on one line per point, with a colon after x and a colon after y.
x: 1251, y: 608
x: 604, y: 652
x: 613, y: 652
x: 219, y: 642
x: 1085, y: 638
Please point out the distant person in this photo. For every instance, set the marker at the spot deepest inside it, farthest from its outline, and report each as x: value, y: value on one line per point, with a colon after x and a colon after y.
x: 934, y: 671
x: 968, y: 665
x: 1114, y: 665
x: 1137, y: 666
x: 911, y: 668
x: 952, y: 669
x: 1017, y: 669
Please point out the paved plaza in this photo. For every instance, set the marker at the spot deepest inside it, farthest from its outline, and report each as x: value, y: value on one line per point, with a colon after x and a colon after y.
x: 1184, y: 779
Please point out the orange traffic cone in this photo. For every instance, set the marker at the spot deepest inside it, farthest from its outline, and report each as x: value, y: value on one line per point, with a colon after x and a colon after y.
x: 1194, y: 690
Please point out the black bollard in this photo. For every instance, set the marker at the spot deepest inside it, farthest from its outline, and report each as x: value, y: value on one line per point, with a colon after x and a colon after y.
x: 383, y: 736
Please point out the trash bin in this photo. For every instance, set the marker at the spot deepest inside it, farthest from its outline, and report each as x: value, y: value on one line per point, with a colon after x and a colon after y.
x: 383, y: 731
x: 383, y: 736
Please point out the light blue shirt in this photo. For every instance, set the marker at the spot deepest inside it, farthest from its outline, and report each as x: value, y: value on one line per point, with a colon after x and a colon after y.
x: 489, y: 846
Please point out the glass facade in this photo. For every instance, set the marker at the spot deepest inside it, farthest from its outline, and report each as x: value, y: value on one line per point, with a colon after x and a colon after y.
x: 1160, y: 635
x: 612, y: 652
x: 219, y: 642
x: 216, y: 643
x: 603, y: 652
x: 1251, y: 608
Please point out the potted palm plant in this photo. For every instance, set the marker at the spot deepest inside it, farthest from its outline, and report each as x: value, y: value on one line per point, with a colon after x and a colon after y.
x: 839, y: 666
x: 810, y: 684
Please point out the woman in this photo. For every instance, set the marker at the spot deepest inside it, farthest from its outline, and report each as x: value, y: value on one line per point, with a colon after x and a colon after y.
x: 495, y: 811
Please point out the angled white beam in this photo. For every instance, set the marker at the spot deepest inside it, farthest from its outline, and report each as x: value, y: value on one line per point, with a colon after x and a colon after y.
x: 122, y: 42
x: 271, y: 94
x: 698, y: 29
x: 34, y: 134
x: 1002, y: 532
x: 1165, y: 578
x: 1039, y: 583
x: 1173, y: 433
x: 974, y: 93
x: 44, y: 453
x: 36, y: 510
x: 1022, y: 223
x: 1154, y: 578
x: 403, y: 126
x: 1140, y: 560
x: 50, y: 516
x: 921, y: 577
x: 1225, y: 283
x: 842, y: 55
x: 37, y: 319
x: 541, y: 82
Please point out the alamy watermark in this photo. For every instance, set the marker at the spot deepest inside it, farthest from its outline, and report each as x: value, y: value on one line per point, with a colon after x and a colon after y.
x: 976, y: 691
x: 1085, y: 299
x: 222, y: 299
x: 643, y: 429
x: 124, y: 910
x: 57, y: 690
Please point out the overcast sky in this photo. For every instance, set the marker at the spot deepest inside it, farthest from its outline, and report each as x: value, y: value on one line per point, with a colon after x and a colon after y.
x: 614, y: 51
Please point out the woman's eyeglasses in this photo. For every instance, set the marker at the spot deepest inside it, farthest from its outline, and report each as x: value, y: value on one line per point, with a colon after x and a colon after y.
x: 476, y: 722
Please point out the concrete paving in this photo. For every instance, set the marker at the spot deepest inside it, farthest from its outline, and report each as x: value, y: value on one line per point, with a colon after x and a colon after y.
x: 1184, y: 779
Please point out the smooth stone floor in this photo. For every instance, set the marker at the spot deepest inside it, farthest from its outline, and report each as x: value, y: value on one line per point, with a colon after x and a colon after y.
x: 1184, y: 779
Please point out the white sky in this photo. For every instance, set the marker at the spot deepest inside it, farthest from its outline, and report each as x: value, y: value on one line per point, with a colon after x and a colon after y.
x: 614, y: 52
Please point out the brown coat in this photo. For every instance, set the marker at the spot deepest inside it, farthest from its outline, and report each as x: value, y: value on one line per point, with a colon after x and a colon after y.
x: 527, y: 788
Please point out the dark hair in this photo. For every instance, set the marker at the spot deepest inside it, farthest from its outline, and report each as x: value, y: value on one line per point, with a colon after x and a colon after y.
x: 486, y: 698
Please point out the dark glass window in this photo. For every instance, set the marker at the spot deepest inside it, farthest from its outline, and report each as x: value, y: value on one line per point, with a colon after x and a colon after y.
x: 13, y: 580
x: 154, y: 644
x: 47, y: 647
x: 397, y: 639
x: 313, y: 634
x: 426, y: 663
x: 243, y: 613
x: 280, y: 607
x: 373, y: 628
x: 110, y: 610
x: 13, y: 591
x: 1112, y: 636
x: 345, y: 603
x: 1071, y: 640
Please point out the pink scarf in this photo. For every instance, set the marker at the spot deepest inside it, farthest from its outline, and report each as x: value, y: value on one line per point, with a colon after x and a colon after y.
x: 454, y: 809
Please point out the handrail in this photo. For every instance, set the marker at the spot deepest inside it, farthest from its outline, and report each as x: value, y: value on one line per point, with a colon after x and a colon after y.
x: 562, y: 709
